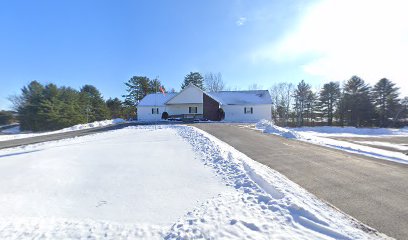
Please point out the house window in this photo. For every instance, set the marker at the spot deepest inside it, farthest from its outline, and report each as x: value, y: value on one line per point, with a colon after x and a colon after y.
x: 192, y: 109
x: 248, y: 110
x: 155, y: 110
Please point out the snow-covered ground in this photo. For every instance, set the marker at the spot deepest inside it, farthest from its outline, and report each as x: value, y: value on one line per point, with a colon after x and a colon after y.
x: 155, y: 182
x: 15, y: 133
x: 324, y: 136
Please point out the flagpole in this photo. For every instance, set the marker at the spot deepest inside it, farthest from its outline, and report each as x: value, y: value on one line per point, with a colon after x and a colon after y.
x: 155, y: 97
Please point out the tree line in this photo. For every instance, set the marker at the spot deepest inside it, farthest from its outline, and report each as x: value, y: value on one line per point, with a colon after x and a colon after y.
x: 6, y: 117
x: 49, y: 107
x: 355, y: 103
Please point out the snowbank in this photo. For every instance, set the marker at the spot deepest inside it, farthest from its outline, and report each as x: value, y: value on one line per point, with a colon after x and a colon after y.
x: 352, y: 131
x: 15, y: 133
x: 93, y: 125
x: 356, y: 148
x: 320, y: 136
x: 269, y: 127
x: 266, y: 205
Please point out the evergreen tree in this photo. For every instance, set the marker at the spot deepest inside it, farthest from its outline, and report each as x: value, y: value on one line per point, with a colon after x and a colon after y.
x: 385, y: 96
x: 94, y: 106
x: 403, y: 110
x: 29, y: 106
x: 137, y: 88
x: 6, y: 117
x: 356, y: 106
x: 194, y: 78
x: 329, y: 98
x: 154, y: 86
x: 301, y: 95
x: 48, y: 107
x: 311, y: 106
x: 129, y: 110
x: 115, y: 107
x: 71, y: 110
x: 49, y: 110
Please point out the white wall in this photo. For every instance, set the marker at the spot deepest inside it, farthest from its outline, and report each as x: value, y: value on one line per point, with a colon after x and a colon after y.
x: 145, y: 114
x: 183, y: 108
x: 191, y: 94
x: 235, y: 113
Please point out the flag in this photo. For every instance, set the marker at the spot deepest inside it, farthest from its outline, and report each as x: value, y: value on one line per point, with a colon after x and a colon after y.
x: 162, y: 90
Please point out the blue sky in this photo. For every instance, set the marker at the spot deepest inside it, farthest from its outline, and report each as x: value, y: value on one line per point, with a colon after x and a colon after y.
x: 104, y: 43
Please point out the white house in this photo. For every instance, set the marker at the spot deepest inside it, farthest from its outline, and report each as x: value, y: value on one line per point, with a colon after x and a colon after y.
x: 193, y: 103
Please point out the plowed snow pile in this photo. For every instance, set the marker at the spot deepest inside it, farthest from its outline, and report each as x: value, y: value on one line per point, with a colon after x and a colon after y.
x: 269, y: 127
x: 155, y: 182
x: 321, y: 136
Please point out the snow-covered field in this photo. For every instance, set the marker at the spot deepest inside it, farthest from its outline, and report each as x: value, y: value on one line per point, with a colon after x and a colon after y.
x: 15, y: 133
x: 324, y: 136
x: 155, y: 182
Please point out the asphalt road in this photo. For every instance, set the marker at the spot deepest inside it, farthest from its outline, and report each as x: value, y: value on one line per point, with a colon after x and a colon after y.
x: 371, y: 190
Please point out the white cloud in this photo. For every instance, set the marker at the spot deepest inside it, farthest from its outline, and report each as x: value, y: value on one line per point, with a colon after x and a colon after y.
x: 368, y: 38
x: 241, y: 21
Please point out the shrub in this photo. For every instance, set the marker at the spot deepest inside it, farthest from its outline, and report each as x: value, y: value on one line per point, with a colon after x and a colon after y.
x: 165, y: 115
x: 221, y: 114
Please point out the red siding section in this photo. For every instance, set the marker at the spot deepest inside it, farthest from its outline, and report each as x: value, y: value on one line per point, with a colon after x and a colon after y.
x: 210, y: 108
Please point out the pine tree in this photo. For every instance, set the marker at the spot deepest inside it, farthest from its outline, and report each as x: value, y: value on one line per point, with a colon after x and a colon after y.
x: 386, y: 101
x: 301, y: 95
x: 93, y: 105
x: 49, y: 109
x: 6, y: 117
x: 71, y: 111
x: 129, y: 110
x: 115, y: 107
x: 356, y: 105
x: 329, y: 98
x: 403, y: 110
x: 44, y: 108
x: 193, y: 78
x: 311, y: 106
x: 137, y: 88
x: 29, y: 106
x: 154, y: 86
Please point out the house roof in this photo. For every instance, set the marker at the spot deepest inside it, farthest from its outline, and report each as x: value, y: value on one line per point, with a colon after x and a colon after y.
x: 186, y: 88
x: 241, y: 97
x: 155, y: 99
x: 253, y: 97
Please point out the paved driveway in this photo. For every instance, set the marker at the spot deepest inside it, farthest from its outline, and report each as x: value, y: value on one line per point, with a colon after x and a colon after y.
x: 371, y: 190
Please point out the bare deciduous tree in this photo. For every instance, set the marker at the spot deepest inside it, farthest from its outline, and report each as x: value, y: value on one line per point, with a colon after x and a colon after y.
x: 255, y: 86
x: 214, y: 82
x: 282, y: 98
